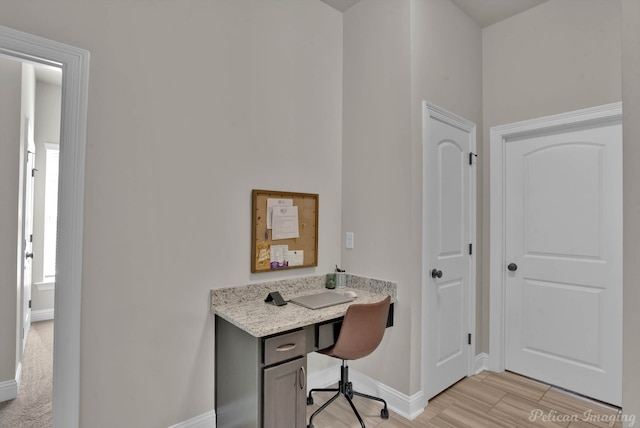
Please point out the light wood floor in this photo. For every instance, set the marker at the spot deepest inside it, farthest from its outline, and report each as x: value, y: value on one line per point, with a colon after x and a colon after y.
x: 486, y: 400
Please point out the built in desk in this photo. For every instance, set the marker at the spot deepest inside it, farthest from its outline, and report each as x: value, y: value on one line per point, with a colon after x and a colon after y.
x: 260, y: 348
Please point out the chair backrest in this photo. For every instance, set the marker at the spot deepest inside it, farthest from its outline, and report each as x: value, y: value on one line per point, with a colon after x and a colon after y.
x: 362, y: 329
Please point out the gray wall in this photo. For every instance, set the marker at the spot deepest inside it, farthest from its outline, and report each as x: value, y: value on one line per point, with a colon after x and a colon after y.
x: 191, y: 105
x: 376, y: 174
x: 207, y: 100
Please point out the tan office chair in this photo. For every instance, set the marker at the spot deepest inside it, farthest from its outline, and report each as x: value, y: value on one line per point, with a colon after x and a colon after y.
x: 361, y: 333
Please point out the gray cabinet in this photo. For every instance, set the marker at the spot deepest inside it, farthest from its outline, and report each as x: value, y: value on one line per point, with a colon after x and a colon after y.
x: 285, y: 402
x: 260, y: 382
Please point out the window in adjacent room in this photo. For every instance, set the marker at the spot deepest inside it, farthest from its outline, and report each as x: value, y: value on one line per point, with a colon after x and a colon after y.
x: 50, y: 211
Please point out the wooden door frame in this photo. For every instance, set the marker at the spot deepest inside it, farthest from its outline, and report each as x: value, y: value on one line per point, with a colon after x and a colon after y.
x: 499, y: 136
x: 75, y: 87
x: 430, y: 111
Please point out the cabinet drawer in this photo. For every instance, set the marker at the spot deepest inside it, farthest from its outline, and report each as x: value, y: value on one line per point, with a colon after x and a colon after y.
x: 284, y: 346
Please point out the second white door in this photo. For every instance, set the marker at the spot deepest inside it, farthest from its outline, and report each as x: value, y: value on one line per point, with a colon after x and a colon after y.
x: 563, y: 267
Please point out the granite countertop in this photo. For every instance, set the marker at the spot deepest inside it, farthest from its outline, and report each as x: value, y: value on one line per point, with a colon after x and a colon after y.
x: 263, y: 319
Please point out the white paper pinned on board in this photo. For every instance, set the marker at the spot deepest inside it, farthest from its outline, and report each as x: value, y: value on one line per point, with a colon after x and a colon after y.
x: 278, y: 255
x: 275, y: 202
x: 284, y: 224
x: 295, y: 257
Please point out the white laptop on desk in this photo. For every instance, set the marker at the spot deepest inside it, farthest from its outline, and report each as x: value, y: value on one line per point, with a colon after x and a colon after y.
x: 321, y: 300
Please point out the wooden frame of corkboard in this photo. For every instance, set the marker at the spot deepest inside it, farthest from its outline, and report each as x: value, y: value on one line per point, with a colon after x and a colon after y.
x: 261, y: 241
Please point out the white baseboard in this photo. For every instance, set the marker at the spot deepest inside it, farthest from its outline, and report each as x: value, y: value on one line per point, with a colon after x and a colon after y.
x: 42, y: 315
x: 323, y: 378
x: 19, y: 375
x: 205, y: 420
x: 482, y: 362
x: 8, y: 390
x: 46, y: 286
x: 409, y: 407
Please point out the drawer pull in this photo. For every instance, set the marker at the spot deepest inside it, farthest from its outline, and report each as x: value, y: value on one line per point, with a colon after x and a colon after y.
x: 287, y: 347
x: 284, y: 346
x: 303, y: 378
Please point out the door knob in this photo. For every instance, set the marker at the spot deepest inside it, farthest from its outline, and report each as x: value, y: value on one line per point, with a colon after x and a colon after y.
x: 435, y: 273
x: 512, y: 267
x: 28, y: 255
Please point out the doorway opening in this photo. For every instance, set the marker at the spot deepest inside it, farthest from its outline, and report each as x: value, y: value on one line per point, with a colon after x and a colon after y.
x: 36, y: 99
x: 74, y: 63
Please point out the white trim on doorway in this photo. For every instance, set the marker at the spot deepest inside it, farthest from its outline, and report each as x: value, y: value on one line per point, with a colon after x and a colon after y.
x: 75, y: 86
x: 499, y: 135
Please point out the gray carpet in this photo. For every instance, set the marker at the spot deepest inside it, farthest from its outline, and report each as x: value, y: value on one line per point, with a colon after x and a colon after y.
x: 32, y: 407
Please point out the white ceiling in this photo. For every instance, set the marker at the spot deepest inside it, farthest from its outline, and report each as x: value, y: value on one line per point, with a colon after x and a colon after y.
x: 484, y: 12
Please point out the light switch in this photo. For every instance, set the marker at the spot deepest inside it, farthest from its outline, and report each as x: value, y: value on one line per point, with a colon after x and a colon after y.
x: 349, y: 240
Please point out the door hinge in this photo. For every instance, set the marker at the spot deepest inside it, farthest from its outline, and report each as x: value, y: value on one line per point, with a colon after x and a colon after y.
x: 471, y: 155
x: 470, y: 249
x: 29, y: 303
x: 469, y: 339
x: 31, y: 238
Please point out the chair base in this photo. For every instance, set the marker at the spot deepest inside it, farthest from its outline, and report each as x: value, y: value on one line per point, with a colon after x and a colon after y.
x: 345, y: 388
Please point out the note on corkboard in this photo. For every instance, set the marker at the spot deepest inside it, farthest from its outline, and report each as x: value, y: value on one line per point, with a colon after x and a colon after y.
x: 284, y: 230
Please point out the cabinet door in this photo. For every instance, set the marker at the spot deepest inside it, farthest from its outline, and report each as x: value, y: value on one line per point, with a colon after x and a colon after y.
x: 285, y: 404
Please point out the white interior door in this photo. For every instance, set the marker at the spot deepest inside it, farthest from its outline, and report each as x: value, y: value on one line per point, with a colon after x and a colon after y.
x: 27, y: 233
x: 449, y: 231
x: 563, y: 250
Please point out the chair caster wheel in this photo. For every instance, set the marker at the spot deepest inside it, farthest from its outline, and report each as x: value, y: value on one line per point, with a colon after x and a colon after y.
x: 309, y: 402
x: 384, y: 414
x: 310, y: 426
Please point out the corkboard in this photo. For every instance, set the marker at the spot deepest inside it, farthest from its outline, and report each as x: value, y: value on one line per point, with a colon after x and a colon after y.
x: 261, y: 236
